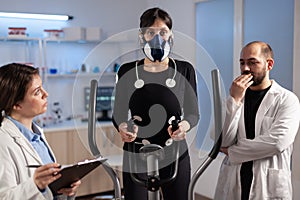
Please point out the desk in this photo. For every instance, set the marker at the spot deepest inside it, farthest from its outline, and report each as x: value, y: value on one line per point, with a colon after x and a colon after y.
x: 70, y: 145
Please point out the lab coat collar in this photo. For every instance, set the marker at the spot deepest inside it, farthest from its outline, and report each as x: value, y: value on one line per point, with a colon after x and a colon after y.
x: 20, y: 139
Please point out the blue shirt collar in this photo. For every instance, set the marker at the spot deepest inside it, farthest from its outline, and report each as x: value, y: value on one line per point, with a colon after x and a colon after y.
x: 36, y: 140
x: 30, y: 136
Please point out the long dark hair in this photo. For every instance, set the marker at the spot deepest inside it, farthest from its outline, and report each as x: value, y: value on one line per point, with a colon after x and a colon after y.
x: 149, y: 16
x: 14, y: 83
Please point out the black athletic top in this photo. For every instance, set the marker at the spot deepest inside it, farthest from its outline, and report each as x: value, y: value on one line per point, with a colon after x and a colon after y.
x: 252, y: 103
x: 155, y: 103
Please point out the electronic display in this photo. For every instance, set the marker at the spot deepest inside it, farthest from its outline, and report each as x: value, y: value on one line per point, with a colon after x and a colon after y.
x: 104, y: 99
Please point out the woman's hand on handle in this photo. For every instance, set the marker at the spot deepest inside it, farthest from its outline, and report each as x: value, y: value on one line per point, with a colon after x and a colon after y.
x: 125, y: 134
x: 181, y: 132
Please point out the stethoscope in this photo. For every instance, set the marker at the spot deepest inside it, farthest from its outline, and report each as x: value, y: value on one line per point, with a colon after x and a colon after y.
x: 170, y: 82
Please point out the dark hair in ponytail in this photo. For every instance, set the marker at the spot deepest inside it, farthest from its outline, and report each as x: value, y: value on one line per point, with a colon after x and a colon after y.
x: 14, y: 82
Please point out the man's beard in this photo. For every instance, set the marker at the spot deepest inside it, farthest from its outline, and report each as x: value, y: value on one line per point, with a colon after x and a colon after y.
x: 257, y: 80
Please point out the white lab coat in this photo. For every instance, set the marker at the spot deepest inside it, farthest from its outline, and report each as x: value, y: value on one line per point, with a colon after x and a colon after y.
x: 16, y: 180
x: 276, y: 125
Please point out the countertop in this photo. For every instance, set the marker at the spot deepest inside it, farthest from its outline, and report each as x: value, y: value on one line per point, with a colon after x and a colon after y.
x: 73, y: 124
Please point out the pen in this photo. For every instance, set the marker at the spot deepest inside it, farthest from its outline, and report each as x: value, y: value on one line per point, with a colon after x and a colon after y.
x: 36, y: 166
x: 33, y: 166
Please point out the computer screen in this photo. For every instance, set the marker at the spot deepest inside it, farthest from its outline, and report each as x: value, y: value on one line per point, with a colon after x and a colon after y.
x: 104, y: 98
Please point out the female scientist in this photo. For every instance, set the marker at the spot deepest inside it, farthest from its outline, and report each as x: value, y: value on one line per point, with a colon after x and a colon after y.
x: 22, y: 142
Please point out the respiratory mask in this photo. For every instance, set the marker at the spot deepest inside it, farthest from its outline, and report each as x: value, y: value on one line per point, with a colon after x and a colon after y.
x: 157, y: 49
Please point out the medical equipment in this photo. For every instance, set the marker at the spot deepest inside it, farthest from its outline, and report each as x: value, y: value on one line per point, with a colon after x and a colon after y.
x: 170, y: 82
x: 92, y: 140
x: 57, y: 113
x: 218, y: 129
x: 152, y: 153
x: 157, y: 48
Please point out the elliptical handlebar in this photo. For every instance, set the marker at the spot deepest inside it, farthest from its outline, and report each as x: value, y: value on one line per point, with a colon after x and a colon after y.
x: 144, y: 182
x: 92, y: 140
x: 218, y: 132
x: 152, y: 153
x: 92, y: 119
x: 215, y: 75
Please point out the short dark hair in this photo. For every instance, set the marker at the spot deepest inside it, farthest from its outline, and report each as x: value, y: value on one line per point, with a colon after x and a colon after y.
x: 14, y: 83
x: 148, y: 18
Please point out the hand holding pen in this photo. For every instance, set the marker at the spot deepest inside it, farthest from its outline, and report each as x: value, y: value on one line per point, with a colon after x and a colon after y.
x: 45, y: 174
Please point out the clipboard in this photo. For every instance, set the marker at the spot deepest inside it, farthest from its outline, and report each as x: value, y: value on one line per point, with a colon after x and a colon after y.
x: 74, y: 172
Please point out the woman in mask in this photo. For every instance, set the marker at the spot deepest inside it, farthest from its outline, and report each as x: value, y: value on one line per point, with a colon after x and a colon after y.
x: 152, y: 92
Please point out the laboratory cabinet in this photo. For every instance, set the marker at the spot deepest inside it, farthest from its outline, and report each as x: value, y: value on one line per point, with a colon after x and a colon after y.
x: 53, y: 56
x: 63, y: 70
x: 71, y: 146
x: 25, y: 50
x: 65, y: 56
x: 67, y: 67
x: 71, y: 66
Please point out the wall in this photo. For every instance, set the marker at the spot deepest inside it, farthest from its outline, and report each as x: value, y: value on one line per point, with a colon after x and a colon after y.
x: 275, y: 28
x: 112, y: 16
x: 182, y: 13
x: 296, y: 88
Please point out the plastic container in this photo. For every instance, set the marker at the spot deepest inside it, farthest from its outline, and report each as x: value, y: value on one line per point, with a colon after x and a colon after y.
x: 53, y: 33
x: 74, y: 33
x: 93, y: 34
x: 17, y: 31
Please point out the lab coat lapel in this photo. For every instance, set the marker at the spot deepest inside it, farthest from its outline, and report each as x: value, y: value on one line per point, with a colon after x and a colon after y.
x: 242, y: 124
x: 20, y: 139
x: 28, y: 147
x: 265, y: 106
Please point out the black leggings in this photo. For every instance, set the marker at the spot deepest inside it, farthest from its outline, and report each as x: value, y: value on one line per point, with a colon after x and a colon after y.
x: 176, y: 190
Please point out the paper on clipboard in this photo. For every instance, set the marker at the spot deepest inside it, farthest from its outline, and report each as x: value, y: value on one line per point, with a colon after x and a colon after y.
x: 72, y: 173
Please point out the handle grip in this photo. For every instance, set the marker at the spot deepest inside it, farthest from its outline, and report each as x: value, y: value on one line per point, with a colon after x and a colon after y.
x: 130, y: 124
x: 174, y: 124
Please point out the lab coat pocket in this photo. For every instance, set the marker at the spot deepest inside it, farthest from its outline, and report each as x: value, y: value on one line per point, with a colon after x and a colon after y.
x: 228, y: 178
x: 278, y: 183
